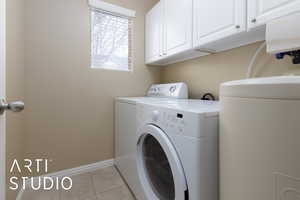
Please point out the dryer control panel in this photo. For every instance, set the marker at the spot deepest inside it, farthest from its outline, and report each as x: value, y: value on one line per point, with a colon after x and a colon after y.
x: 172, y: 90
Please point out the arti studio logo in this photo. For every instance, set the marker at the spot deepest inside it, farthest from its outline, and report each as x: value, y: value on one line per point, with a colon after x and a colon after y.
x: 36, y: 183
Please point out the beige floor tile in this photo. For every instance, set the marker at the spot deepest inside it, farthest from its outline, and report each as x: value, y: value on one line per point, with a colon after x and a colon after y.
x: 40, y: 195
x: 82, y: 189
x: 106, y: 179
x: 119, y: 193
x: 104, y: 184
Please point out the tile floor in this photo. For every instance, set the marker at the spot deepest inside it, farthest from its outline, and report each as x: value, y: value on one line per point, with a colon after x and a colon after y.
x: 104, y: 184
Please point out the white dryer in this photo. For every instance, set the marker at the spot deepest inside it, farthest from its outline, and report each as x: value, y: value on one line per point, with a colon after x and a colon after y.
x: 177, y: 150
x: 126, y: 128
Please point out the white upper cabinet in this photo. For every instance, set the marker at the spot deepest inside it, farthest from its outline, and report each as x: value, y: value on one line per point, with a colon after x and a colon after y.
x: 178, y: 30
x: 262, y: 11
x: 154, y: 33
x: 169, y: 33
x: 177, y: 26
x: 215, y: 20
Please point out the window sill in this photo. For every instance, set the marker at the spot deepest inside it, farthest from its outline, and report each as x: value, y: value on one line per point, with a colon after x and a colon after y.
x: 116, y: 70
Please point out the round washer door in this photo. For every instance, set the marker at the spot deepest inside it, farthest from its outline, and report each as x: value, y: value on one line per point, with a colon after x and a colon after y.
x: 159, y: 167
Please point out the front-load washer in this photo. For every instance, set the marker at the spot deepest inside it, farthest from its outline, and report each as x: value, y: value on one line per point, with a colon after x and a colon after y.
x: 126, y: 128
x: 177, y: 150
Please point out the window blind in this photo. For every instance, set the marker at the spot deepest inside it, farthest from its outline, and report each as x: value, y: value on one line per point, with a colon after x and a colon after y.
x: 111, y: 8
x: 111, y: 46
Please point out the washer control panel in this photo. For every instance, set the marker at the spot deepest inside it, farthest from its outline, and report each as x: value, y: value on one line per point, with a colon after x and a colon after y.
x: 174, y: 121
x: 172, y: 90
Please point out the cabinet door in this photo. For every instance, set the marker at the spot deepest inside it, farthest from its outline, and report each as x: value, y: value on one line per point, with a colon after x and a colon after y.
x: 215, y: 20
x: 263, y: 11
x: 177, y: 26
x: 153, y: 34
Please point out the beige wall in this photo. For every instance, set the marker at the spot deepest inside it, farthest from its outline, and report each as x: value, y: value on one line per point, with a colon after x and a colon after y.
x: 68, y: 116
x: 205, y: 74
x: 69, y: 106
x: 15, y: 84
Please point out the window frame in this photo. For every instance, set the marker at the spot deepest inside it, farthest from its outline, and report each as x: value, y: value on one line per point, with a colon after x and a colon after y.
x: 117, y: 11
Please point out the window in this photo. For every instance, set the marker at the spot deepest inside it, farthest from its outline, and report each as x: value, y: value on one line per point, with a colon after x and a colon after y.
x: 111, y: 41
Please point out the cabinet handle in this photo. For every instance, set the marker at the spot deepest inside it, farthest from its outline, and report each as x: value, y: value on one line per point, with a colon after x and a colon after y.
x: 253, y: 20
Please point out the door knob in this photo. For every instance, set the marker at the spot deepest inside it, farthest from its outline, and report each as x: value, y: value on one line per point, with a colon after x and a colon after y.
x: 16, y: 106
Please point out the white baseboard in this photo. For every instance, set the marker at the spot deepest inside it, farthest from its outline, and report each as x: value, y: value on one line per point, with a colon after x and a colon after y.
x: 71, y: 172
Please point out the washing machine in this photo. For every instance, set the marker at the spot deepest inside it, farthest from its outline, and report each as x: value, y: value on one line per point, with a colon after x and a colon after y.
x: 260, y: 139
x: 126, y: 128
x: 177, y: 150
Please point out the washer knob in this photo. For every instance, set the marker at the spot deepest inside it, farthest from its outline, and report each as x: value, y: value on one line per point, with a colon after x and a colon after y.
x: 173, y: 89
x: 155, y: 115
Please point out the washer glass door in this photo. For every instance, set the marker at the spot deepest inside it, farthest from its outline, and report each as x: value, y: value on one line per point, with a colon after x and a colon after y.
x: 159, y: 166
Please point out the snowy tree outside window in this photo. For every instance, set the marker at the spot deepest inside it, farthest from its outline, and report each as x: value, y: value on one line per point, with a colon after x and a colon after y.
x: 110, y: 41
